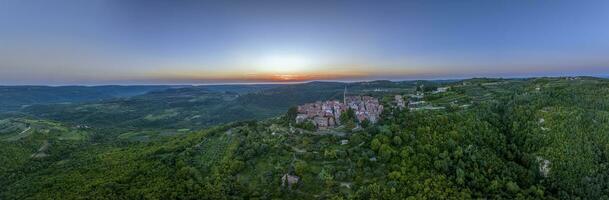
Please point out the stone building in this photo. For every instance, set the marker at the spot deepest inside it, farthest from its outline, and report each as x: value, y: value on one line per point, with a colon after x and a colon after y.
x: 327, y: 114
x: 399, y: 101
x: 289, y: 181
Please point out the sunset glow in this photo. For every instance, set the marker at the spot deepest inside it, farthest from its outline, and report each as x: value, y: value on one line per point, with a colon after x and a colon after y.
x: 285, y: 64
x: 118, y: 42
x: 304, y: 99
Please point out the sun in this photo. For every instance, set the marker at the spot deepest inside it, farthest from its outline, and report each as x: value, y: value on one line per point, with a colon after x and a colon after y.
x: 284, y: 64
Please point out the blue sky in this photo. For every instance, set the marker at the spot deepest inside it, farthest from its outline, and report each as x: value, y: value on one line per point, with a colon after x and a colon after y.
x: 187, y: 41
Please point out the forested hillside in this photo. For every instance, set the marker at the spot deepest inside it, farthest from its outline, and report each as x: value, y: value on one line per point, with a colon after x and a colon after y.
x: 204, y: 106
x: 538, y: 138
x: 13, y: 98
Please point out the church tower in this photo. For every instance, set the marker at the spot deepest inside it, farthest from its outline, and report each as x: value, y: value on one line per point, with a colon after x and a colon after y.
x: 345, y: 96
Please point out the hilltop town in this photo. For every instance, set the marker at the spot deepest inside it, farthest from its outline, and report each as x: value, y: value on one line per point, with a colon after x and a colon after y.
x: 327, y: 114
x: 463, y: 126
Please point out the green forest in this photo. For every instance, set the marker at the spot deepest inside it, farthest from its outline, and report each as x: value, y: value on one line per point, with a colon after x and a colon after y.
x: 534, y: 138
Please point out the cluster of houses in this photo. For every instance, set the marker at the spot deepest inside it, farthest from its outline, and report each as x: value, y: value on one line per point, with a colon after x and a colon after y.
x: 415, y: 101
x: 412, y: 102
x: 327, y: 114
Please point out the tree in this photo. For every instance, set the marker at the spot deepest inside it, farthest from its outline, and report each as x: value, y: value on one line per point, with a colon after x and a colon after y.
x: 307, y: 125
x: 397, y: 141
x: 385, y: 152
x: 365, y: 123
x: 327, y: 177
x: 300, y: 167
x: 347, y: 118
x: 375, y: 144
x: 290, y: 116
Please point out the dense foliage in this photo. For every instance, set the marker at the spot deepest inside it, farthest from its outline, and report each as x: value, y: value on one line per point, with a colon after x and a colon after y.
x: 540, y: 138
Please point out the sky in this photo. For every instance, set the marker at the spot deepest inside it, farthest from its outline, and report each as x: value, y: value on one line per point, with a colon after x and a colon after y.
x: 72, y: 42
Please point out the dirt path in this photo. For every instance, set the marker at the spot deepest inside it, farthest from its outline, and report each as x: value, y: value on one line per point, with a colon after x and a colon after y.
x: 299, y: 150
x: 42, y: 150
x: 346, y: 184
x: 26, y: 130
x: 19, y: 136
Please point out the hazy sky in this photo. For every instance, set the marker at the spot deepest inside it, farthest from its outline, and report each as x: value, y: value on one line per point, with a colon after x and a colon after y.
x: 183, y: 41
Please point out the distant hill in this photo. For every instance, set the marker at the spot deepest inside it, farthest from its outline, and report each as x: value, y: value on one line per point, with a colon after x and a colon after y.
x: 281, y: 98
x: 13, y: 98
x: 203, y: 106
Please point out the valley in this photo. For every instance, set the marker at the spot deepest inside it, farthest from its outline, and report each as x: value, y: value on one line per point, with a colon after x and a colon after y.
x: 534, y: 138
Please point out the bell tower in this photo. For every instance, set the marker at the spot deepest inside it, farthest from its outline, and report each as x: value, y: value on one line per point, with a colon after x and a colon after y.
x: 345, y: 96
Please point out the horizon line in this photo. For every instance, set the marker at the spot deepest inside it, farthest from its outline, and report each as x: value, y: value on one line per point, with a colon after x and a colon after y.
x: 302, y: 82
